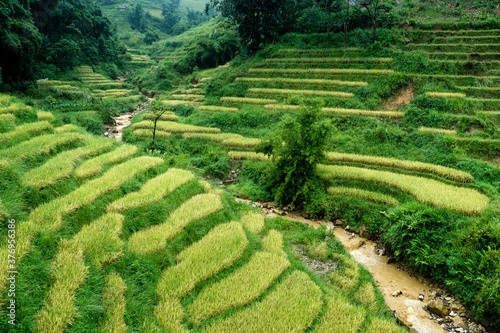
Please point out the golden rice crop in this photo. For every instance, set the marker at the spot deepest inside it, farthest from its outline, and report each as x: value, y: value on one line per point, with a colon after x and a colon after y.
x: 4, y: 164
x: 169, y: 315
x: 320, y: 51
x: 241, y: 142
x: 53, y: 83
x: 167, y: 116
x: 347, y: 277
x: 340, y: 316
x: 317, y: 250
x: 67, y: 128
x: 242, y: 287
x: 381, y: 325
x: 253, y: 221
x: 216, y: 108
x: 114, y: 302
x: 48, y: 216
x: 7, y: 117
x: 325, y: 71
x: 15, y: 108
x: 248, y: 100
x: 69, y: 273
x: 279, y: 311
x: 437, y: 131
x: 303, y: 81
x: 62, y: 165
x: 458, y: 199
x: 364, y: 194
x: 367, y: 113
x: 155, y: 238
x: 24, y: 130
x: 44, y: 115
x: 180, y: 102
x: 217, y: 137
x: 442, y: 171
x: 444, y: 95
x: 191, y: 97
x: 148, y: 133
x: 94, y: 166
x: 4, y: 98
x: 154, y: 190
x: 273, y: 243
x: 366, y: 296
x: 173, y: 127
x: 40, y: 145
x: 66, y: 87
x: 330, y: 60
x: 205, y: 79
x: 322, y: 93
x: 100, y: 240
x: 247, y: 155
x: 215, y: 251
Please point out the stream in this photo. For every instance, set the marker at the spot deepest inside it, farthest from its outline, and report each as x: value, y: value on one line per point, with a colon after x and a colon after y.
x: 406, y: 294
x: 124, y: 120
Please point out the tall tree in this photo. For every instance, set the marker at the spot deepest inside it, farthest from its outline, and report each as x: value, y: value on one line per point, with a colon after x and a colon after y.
x: 259, y: 21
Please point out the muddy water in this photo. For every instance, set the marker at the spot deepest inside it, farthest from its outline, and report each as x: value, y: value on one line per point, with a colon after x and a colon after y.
x: 401, y: 291
x: 124, y: 120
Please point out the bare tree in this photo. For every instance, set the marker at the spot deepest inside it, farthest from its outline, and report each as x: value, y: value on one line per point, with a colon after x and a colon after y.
x: 157, y: 109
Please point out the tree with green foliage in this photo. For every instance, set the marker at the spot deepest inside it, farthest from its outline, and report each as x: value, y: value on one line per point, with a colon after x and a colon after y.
x: 296, y: 148
x: 259, y: 21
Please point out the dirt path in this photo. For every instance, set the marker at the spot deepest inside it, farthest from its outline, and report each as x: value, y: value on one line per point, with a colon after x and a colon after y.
x: 405, y: 293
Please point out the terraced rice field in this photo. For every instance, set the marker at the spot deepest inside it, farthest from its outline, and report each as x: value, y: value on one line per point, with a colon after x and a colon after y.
x: 153, y: 247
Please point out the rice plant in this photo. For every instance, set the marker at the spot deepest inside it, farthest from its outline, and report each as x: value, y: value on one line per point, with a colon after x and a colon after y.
x: 180, y: 102
x: 278, y: 312
x: 114, y: 302
x: 62, y: 165
x: 303, y: 81
x: 40, y: 145
x: 246, y: 100
x: 67, y: 128
x: 366, y: 296
x: 216, y: 137
x: 155, y: 238
x: 218, y: 249
x: 436, y: 130
x: 241, y: 142
x: 24, y: 131
x: 100, y: 240
x: 191, y: 97
x: 94, y: 166
x: 458, y: 199
x: 347, y: 276
x: 273, y: 243
x: 381, y: 325
x: 148, y: 133
x: 69, y: 273
x: 442, y: 171
x: 322, y: 93
x: 48, y: 216
x: 44, y: 115
x: 340, y: 316
x: 173, y: 127
x: 330, y: 71
x: 167, y: 116
x: 253, y: 222
x: 4, y: 99
x: 366, y: 113
x: 444, y: 95
x: 242, y: 287
x: 169, y: 315
x: 247, y: 155
x: 363, y: 194
x: 7, y: 117
x: 330, y: 60
x: 215, y: 108
x: 154, y: 190
x: 15, y: 108
x: 320, y: 51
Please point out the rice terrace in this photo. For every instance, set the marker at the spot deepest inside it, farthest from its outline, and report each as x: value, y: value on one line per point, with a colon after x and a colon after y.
x: 249, y: 166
